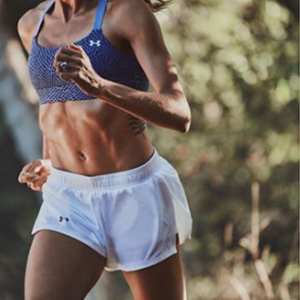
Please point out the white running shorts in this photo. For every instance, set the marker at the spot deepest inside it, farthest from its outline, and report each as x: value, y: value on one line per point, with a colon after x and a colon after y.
x: 129, y: 217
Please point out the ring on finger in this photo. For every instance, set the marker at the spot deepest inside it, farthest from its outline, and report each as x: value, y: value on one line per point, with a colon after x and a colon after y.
x: 63, y: 65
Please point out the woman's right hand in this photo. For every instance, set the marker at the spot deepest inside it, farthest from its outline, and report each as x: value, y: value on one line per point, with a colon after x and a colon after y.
x: 35, y: 174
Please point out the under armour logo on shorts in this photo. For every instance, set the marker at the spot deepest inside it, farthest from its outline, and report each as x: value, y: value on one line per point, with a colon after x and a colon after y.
x: 61, y: 218
x: 97, y: 43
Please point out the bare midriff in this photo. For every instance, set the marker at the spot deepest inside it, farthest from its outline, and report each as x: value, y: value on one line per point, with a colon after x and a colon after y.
x: 91, y: 137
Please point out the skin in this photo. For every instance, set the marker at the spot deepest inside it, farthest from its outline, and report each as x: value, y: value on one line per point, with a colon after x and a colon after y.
x: 99, y: 136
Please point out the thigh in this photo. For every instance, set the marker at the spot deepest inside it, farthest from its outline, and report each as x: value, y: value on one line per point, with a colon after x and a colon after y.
x: 162, y: 281
x: 60, y: 267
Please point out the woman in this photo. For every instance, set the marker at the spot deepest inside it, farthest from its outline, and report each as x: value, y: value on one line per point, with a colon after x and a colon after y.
x: 110, y: 200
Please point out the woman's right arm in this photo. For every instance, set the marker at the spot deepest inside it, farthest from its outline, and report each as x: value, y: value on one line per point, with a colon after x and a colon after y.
x: 28, y: 23
x: 35, y: 173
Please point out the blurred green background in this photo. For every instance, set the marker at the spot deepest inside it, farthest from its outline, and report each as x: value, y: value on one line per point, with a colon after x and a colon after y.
x: 238, y: 63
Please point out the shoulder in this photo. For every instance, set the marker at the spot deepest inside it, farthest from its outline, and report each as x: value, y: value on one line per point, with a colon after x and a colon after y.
x: 130, y: 7
x: 28, y: 22
x: 132, y: 17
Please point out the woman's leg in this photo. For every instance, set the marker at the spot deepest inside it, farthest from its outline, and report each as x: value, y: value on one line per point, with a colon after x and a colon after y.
x: 163, y: 281
x: 60, y: 267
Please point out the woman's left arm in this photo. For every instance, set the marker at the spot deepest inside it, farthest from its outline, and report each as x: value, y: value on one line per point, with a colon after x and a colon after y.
x: 167, y: 105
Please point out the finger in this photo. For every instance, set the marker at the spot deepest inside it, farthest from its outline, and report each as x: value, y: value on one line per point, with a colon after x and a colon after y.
x: 29, y: 178
x: 39, y: 183
x: 35, y: 166
x: 72, y: 50
x: 32, y: 168
x: 71, y: 67
x: 23, y: 171
x: 69, y: 76
x: 21, y: 178
x: 45, y: 171
x: 36, y: 169
x: 68, y: 59
x: 35, y: 188
x: 64, y: 51
x: 27, y: 167
x: 75, y: 48
x: 40, y: 180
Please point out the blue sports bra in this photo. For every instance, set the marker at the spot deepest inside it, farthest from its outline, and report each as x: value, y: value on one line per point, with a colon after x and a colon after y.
x: 109, y: 62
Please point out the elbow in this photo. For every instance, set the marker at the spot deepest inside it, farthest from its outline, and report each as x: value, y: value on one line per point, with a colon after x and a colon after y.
x: 182, y: 116
x: 185, y: 126
x: 186, y: 117
x: 185, y: 123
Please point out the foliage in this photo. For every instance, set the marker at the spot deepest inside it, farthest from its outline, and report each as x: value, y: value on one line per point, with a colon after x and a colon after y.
x: 238, y: 64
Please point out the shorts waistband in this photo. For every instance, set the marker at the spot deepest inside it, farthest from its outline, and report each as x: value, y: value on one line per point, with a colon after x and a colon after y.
x: 111, y: 180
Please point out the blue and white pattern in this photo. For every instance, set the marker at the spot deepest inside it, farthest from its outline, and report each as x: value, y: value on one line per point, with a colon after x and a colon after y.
x: 109, y: 62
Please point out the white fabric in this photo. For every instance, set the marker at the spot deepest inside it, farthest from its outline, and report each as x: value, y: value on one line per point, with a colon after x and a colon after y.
x: 130, y: 217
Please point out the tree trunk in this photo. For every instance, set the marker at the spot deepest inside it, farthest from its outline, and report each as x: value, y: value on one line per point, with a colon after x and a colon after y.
x: 20, y: 115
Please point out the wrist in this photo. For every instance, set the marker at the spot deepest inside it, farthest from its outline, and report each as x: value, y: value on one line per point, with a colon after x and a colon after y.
x: 46, y: 162
x: 101, y: 86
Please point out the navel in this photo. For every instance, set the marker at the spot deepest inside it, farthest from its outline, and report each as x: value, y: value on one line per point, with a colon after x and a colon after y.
x: 81, y: 155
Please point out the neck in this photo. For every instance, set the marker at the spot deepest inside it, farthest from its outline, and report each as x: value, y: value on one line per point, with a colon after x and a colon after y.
x: 67, y: 8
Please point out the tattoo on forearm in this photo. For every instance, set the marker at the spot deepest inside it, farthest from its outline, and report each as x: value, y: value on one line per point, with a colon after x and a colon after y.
x: 138, y: 126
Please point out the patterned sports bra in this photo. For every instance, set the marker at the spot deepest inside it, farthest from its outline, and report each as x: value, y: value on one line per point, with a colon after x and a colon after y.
x: 109, y: 62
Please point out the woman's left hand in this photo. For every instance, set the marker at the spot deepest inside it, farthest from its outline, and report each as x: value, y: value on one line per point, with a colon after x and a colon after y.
x: 72, y: 64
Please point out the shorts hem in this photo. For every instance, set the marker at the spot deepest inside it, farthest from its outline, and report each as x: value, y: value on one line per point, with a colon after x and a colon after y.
x: 73, y: 235
x: 145, y: 264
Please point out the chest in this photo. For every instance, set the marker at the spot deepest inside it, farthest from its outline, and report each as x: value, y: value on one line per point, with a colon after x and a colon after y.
x: 108, y: 62
x: 55, y: 32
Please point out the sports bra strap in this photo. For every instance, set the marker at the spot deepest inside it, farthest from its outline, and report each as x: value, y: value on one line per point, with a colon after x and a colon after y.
x: 98, y: 20
x: 100, y: 14
x: 42, y: 17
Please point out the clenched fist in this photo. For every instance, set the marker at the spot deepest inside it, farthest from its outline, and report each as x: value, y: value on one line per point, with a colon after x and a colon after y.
x: 35, y: 174
x: 73, y: 64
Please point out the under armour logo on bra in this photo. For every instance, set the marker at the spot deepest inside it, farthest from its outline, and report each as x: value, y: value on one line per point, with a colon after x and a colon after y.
x: 61, y: 218
x: 96, y: 43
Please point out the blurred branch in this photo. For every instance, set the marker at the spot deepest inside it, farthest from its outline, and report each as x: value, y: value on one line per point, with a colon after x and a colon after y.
x: 228, y: 234
x: 264, y: 278
x: 240, y: 289
x: 255, y: 220
x: 20, y: 116
x: 284, y: 292
x: 18, y: 64
x: 285, y: 257
x: 252, y: 245
x: 255, y: 231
